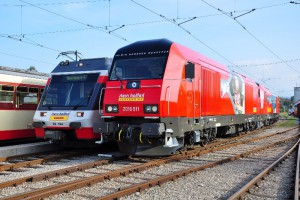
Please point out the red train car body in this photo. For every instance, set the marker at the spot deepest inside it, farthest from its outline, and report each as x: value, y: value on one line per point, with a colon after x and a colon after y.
x: 20, y: 93
x: 162, y: 96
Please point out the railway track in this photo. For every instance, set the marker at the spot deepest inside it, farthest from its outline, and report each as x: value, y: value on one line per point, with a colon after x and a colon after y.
x: 284, y: 171
x: 17, y: 162
x: 90, y: 174
x: 297, y: 176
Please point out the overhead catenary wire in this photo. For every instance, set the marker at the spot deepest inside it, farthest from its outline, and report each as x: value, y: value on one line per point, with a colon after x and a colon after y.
x: 25, y: 58
x: 132, y: 24
x: 76, y: 21
x: 110, y: 27
x: 191, y: 35
x: 294, y: 2
x: 196, y: 38
x: 175, y: 23
x: 270, y: 63
x: 56, y: 3
x: 252, y: 35
x: 23, y: 40
x: 84, y: 29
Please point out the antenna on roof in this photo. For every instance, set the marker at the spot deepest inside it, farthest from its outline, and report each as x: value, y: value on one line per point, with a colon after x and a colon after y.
x: 68, y: 53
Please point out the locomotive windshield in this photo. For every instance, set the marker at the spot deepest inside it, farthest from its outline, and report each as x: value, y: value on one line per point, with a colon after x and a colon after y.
x: 138, y: 68
x: 70, y: 90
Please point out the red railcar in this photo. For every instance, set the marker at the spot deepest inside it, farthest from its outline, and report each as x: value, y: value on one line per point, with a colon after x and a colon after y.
x: 20, y: 92
x: 162, y: 96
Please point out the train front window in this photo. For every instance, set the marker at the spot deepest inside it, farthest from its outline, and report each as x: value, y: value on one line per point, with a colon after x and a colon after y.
x: 70, y: 90
x: 138, y: 68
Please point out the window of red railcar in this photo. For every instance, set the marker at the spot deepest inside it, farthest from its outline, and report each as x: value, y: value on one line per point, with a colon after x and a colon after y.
x: 6, y: 96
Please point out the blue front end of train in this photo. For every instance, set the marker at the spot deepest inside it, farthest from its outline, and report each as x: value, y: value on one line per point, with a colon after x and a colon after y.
x: 70, y: 103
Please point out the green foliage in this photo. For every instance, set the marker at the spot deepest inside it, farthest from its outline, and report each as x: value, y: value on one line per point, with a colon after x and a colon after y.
x: 290, y: 122
x: 286, y: 104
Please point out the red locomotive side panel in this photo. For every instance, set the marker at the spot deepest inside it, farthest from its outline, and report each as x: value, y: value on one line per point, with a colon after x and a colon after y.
x: 263, y: 100
x: 256, y: 100
x: 173, y: 94
x: 211, y: 98
x: 251, y: 97
x: 199, y: 97
x: 249, y: 103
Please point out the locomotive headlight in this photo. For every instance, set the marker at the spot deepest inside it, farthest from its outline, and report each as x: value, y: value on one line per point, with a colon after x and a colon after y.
x: 109, y: 108
x: 112, y: 108
x: 43, y: 114
x: 150, y: 108
x: 147, y: 108
x: 80, y: 114
x: 154, y: 109
x: 115, y: 108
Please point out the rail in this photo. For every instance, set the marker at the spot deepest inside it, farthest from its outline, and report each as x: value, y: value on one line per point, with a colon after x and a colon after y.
x: 171, y: 177
x: 260, y: 176
x: 296, y: 194
x: 88, y: 181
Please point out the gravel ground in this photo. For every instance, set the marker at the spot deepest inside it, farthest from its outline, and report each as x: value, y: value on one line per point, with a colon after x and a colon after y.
x: 279, y: 184
x: 214, y: 183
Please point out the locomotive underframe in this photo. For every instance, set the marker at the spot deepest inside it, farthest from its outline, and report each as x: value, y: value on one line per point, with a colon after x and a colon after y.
x: 166, y: 135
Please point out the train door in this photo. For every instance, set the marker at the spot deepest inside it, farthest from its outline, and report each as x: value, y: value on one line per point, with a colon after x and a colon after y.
x: 191, y: 87
x: 197, y: 94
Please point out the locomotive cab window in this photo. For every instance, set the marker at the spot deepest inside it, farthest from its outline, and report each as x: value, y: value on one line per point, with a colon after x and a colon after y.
x: 70, y: 90
x: 138, y: 68
x: 190, y: 70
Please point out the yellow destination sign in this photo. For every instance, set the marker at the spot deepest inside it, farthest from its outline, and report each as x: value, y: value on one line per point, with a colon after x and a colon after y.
x: 59, y: 118
x: 131, y: 98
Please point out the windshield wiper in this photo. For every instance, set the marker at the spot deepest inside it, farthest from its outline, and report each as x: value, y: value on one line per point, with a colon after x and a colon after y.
x: 87, y: 99
x: 118, y: 78
x: 79, y: 104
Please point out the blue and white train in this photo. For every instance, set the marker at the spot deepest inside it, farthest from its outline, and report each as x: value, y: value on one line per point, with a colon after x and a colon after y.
x: 70, y: 104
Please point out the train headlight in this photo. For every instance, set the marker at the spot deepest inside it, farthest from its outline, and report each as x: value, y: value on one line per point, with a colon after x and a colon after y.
x: 43, y: 114
x: 150, y: 108
x: 109, y: 108
x: 112, y: 108
x: 80, y: 114
x: 154, y: 109
x: 147, y: 109
x: 115, y: 108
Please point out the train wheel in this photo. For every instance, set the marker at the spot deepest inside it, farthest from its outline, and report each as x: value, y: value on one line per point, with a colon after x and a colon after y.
x: 203, y: 142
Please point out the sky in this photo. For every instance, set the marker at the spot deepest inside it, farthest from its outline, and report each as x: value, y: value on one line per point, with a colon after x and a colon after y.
x: 257, y: 38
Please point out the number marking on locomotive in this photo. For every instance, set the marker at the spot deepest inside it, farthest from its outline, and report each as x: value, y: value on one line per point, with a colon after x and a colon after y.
x: 131, y: 109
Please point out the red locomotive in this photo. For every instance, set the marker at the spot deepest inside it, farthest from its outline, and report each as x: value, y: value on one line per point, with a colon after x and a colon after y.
x: 162, y: 96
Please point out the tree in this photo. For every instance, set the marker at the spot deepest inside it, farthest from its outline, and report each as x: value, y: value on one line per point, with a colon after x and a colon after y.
x: 32, y: 68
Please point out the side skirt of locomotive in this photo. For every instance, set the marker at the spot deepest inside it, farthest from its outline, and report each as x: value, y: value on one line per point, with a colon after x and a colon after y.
x: 171, y: 134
